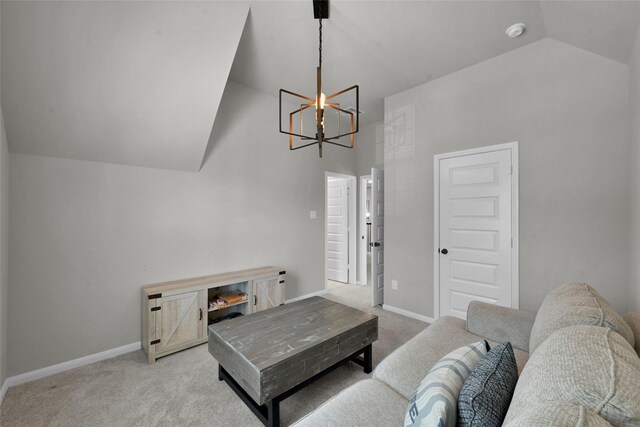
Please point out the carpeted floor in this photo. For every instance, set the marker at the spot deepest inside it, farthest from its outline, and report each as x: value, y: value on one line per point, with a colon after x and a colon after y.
x: 181, y: 389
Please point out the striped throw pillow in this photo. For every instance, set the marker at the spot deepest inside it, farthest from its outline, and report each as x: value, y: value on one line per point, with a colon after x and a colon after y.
x: 434, y: 403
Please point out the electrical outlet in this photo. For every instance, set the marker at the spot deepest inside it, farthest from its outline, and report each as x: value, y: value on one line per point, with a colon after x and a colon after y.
x: 394, y: 285
x: 313, y: 214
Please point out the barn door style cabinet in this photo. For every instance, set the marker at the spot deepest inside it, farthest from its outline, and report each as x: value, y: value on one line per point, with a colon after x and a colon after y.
x: 175, y: 315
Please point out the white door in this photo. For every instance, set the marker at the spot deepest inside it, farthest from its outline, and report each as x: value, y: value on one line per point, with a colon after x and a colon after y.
x: 475, y: 232
x: 377, y: 236
x: 337, y: 229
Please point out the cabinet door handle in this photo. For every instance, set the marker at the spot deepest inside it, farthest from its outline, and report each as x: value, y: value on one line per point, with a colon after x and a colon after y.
x: 255, y: 300
x: 200, y: 314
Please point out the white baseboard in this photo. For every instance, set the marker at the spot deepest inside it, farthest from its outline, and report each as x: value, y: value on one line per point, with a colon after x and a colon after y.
x: 3, y: 390
x: 407, y: 313
x: 312, y: 294
x: 71, y: 364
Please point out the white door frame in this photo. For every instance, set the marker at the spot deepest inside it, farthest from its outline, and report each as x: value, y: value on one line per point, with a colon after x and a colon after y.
x: 351, y: 180
x: 362, y: 245
x: 377, y: 295
x: 515, y: 276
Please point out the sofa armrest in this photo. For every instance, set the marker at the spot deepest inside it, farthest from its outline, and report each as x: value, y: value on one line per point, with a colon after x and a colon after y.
x: 500, y: 324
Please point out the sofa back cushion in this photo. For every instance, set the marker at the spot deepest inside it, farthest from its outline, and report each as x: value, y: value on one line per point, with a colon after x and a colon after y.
x: 633, y: 320
x: 588, y: 366
x: 575, y: 304
x: 558, y: 414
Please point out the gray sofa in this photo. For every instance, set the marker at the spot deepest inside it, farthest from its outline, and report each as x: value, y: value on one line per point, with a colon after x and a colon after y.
x: 383, y: 399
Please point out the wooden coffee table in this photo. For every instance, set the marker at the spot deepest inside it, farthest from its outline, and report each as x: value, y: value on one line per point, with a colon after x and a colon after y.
x: 268, y: 356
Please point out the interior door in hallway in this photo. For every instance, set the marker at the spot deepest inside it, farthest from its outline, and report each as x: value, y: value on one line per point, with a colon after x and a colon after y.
x: 337, y: 229
x: 475, y: 250
x: 377, y: 236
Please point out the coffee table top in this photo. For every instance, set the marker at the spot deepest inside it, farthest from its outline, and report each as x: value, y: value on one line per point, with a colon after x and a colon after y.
x: 294, y: 341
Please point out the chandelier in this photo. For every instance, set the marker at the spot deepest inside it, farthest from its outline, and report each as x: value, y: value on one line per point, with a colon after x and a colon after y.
x: 330, y: 118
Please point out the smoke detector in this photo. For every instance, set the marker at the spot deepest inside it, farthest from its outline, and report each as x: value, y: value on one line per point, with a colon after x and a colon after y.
x: 515, y: 30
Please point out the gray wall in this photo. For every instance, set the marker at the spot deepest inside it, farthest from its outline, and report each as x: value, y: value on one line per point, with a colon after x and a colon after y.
x: 4, y: 246
x: 568, y: 109
x: 86, y: 236
x: 634, y: 110
x: 369, y: 154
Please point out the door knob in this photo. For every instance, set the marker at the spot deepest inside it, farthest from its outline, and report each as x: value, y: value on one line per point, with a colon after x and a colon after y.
x: 444, y: 251
x: 376, y: 244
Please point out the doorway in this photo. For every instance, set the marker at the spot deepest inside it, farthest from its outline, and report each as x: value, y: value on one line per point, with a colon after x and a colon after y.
x: 476, y: 229
x: 371, y: 248
x: 364, y: 248
x: 340, y: 229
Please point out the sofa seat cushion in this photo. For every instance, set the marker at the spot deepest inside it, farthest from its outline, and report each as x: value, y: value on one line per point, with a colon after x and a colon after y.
x: 633, y: 320
x: 558, y: 414
x: 575, y: 304
x: 404, y: 369
x: 365, y: 403
x: 589, y: 366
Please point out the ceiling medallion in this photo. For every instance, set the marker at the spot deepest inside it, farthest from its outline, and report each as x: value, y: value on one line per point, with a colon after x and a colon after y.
x: 327, y: 125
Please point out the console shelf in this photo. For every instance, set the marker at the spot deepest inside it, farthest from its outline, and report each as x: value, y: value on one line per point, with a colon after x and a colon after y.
x: 228, y: 306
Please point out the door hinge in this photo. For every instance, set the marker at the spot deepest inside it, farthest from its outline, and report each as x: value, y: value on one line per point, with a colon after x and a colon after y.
x: 511, y: 169
x: 155, y: 342
x: 155, y: 308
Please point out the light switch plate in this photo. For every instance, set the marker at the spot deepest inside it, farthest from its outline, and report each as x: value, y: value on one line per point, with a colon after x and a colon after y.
x: 394, y: 285
x: 313, y: 214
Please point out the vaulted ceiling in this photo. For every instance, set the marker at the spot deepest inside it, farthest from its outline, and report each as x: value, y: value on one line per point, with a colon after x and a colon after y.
x: 140, y: 82
x: 135, y: 82
x: 390, y: 46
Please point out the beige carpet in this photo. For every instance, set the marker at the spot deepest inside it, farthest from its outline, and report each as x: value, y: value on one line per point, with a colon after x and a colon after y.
x: 178, y: 390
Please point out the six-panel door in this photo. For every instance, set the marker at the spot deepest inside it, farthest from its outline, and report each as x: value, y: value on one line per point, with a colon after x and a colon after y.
x: 475, y: 231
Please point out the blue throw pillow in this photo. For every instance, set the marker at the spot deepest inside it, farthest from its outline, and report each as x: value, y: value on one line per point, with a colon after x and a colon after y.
x: 486, y: 393
x: 434, y: 402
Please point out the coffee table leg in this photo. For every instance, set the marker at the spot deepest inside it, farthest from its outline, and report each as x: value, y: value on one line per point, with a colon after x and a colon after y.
x: 368, y: 359
x: 364, y: 358
x: 273, y: 413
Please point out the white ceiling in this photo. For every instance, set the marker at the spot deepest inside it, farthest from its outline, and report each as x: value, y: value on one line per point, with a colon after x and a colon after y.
x: 133, y: 82
x: 390, y: 46
x: 140, y: 82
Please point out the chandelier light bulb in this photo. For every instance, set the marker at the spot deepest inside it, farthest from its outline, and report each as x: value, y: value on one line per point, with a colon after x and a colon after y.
x: 322, y: 99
